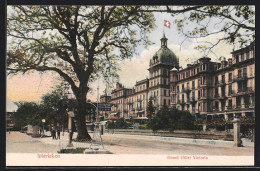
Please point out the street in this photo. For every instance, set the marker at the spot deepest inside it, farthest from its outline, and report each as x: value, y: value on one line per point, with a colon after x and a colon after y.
x: 17, y: 142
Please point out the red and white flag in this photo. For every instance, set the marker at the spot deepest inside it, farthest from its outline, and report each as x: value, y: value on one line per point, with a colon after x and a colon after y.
x: 167, y: 23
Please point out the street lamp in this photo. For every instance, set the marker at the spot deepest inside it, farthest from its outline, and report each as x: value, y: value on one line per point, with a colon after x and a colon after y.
x: 43, y: 121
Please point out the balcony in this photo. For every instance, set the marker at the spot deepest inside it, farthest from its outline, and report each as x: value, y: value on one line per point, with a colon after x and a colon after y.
x: 243, y: 91
x: 222, y: 82
x: 240, y: 77
x: 186, y: 90
x: 229, y: 107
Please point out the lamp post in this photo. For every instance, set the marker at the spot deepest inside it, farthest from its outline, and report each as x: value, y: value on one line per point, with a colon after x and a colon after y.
x: 43, y: 121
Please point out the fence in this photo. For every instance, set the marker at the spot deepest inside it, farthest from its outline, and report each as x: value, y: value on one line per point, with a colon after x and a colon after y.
x: 212, y: 135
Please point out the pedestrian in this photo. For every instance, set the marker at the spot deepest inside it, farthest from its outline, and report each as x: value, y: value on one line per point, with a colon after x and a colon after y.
x: 53, y: 134
x: 58, y: 133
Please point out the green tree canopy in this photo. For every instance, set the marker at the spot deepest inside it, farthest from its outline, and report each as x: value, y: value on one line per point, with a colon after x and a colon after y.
x: 28, y: 113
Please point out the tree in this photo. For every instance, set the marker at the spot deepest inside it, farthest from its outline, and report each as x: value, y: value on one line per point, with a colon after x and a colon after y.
x: 232, y: 24
x: 171, y: 119
x: 150, y: 113
x: 27, y: 113
x: 54, y: 105
x: 80, y: 43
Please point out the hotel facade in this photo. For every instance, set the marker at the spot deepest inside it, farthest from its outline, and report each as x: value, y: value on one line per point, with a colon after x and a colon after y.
x: 206, y: 89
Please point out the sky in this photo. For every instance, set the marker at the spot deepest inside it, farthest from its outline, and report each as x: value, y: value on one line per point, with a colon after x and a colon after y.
x: 30, y: 87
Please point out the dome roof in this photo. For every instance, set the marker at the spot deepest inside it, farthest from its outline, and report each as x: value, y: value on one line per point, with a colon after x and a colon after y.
x: 164, y: 55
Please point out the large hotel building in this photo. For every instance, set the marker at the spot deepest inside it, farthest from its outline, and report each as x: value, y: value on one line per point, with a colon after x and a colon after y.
x: 205, y: 88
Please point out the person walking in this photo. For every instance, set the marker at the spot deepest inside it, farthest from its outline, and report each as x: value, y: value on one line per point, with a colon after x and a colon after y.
x: 58, y: 133
x: 53, y: 134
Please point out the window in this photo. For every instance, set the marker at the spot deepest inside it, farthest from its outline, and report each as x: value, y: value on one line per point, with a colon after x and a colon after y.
x: 198, y: 94
x: 230, y: 77
x: 182, y: 86
x: 242, y: 57
x: 244, y: 72
x: 164, y: 72
x: 216, y: 105
x: 229, y: 89
x: 230, y: 103
x: 237, y: 58
x: 247, y: 55
x: 165, y: 94
x: 178, y: 89
x: 223, y: 78
x: 193, y: 84
x: 164, y: 102
x: 216, y: 92
x: 164, y: 81
x: 238, y: 101
x: 239, y: 73
x: 169, y: 102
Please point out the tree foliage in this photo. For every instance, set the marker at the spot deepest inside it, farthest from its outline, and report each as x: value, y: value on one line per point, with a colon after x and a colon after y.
x: 80, y: 43
x: 54, y: 105
x: 232, y: 24
x: 28, y: 113
x: 171, y: 119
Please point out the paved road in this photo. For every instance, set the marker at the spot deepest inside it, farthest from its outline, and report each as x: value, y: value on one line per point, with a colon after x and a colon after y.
x: 21, y: 143
x: 17, y: 142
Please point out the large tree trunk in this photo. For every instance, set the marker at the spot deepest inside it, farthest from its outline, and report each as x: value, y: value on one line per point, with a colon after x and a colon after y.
x: 80, y: 118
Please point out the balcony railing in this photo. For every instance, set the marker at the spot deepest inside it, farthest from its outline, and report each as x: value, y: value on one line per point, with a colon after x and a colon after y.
x: 246, y: 89
x: 186, y: 90
x: 221, y: 82
x: 240, y: 77
x: 229, y: 107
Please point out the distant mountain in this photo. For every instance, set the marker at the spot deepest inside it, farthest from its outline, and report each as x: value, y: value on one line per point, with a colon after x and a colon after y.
x: 11, y: 106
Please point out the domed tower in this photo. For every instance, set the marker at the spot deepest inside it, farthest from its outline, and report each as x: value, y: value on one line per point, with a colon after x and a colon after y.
x: 164, y: 56
x: 159, y: 74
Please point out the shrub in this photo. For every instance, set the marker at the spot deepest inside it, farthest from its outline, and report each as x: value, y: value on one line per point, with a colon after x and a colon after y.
x: 77, y: 150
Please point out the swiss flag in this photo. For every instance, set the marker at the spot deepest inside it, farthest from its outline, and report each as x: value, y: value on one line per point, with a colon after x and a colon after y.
x: 167, y: 24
